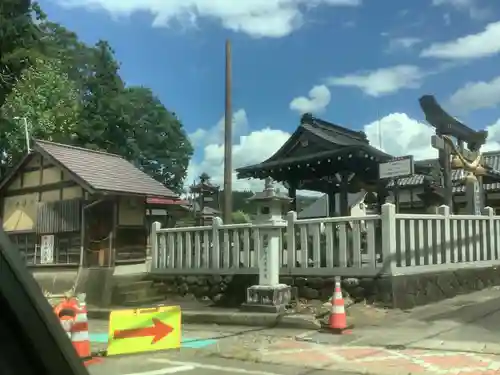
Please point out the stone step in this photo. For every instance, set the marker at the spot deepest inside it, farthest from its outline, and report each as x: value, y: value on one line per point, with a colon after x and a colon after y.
x: 151, y: 291
x: 144, y: 301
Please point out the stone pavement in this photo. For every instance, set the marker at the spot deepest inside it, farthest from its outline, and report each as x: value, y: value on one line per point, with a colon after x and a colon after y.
x: 378, y: 361
x: 468, y: 323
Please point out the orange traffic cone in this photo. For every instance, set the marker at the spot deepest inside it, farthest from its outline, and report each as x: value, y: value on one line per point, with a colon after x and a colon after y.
x: 337, y: 322
x: 80, y: 330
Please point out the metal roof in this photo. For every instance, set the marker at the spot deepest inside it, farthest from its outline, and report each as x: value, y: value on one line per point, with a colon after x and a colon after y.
x: 101, y: 171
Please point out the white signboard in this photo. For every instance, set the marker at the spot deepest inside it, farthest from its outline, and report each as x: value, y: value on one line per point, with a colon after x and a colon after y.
x: 47, y: 250
x: 395, y: 168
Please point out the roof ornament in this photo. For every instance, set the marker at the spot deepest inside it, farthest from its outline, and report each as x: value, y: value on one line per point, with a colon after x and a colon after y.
x: 306, y: 118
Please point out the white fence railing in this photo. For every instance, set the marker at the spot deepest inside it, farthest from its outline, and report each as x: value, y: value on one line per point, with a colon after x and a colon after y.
x: 389, y: 243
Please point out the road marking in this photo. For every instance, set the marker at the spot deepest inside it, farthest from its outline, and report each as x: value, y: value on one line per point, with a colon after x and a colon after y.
x: 204, y: 366
x: 166, y: 370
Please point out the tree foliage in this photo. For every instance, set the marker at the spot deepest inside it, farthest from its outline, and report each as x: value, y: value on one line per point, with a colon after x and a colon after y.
x: 73, y: 93
x: 20, y: 41
x: 49, y: 101
x: 240, y: 217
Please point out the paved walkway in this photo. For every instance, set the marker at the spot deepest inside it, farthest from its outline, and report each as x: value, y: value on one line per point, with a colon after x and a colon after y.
x: 378, y: 361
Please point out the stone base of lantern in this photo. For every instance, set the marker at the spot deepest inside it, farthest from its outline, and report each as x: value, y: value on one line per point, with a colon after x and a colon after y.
x: 267, y: 298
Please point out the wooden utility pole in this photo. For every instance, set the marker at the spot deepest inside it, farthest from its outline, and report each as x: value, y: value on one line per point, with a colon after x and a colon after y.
x: 228, y: 141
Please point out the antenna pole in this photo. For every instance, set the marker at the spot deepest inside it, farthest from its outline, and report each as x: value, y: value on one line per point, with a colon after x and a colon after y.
x: 228, y: 140
x: 380, y: 134
x: 27, y: 134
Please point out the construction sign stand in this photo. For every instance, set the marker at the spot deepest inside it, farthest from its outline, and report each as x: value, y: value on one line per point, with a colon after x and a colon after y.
x: 144, y: 330
x: 337, y: 322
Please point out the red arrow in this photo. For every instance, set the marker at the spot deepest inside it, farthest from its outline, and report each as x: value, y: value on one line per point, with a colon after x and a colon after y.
x: 158, y: 330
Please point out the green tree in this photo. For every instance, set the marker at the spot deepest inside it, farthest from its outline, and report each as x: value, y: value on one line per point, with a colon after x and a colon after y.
x: 75, y: 94
x: 240, y: 217
x: 19, y: 41
x: 48, y: 99
x: 62, y: 44
x: 102, y: 126
x: 156, y: 139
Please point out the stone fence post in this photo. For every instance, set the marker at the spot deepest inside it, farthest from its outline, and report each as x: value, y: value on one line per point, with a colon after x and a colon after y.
x: 215, y: 250
x: 492, y: 250
x: 389, y: 256
x: 153, y: 248
x: 445, y: 235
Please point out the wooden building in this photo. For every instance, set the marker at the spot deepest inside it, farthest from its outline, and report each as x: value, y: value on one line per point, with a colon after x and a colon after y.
x: 64, y: 205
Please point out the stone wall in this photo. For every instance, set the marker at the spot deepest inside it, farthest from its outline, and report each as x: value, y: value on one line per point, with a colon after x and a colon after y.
x: 420, y: 289
x: 403, y: 292
x: 54, y: 280
x: 231, y: 290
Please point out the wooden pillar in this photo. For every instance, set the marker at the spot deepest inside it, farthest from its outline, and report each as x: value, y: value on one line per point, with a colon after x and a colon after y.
x: 382, y: 194
x: 331, y: 201
x: 114, y: 232
x: 344, y: 177
x: 444, y: 162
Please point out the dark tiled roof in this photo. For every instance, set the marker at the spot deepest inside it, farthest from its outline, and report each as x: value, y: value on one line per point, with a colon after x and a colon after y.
x: 340, y: 140
x: 334, y: 134
x: 102, y: 171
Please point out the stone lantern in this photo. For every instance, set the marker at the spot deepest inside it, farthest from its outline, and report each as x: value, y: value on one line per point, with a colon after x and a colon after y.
x: 271, y: 204
x: 269, y: 295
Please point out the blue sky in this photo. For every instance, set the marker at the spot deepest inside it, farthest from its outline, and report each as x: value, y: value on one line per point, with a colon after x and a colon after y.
x: 358, y: 63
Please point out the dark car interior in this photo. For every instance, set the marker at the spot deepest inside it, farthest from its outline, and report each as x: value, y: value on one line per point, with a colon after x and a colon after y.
x: 33, y: 341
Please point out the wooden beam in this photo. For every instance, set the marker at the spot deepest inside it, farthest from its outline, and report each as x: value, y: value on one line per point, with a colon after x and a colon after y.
x: 40, y: 189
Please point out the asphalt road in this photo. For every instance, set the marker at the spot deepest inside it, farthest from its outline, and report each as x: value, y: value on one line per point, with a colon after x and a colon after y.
x: 183, y: 363
x: 205, y: 359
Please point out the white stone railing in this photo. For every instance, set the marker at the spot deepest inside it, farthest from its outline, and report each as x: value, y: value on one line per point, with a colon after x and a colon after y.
x: 389, y: 243
x: 429, y: 243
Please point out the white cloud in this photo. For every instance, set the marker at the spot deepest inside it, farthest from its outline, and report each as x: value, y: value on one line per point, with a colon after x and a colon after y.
x: 404, y: 43
x: 493, y: 143
x: 201, y: 137
x: 469, y: 6
x: 318, y: 99
x: 257, y: 18
x: 382, y: 81
x: 248, y: 149
x: 483, y: 44
x: 253, y: 148
x: 476, y: 95
x: 399, y: 135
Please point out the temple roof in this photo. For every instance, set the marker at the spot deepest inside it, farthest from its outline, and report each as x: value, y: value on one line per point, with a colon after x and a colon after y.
x: 315, y: 139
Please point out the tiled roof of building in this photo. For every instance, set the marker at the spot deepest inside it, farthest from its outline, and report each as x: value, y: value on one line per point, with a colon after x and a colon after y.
x: 103, y: 172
